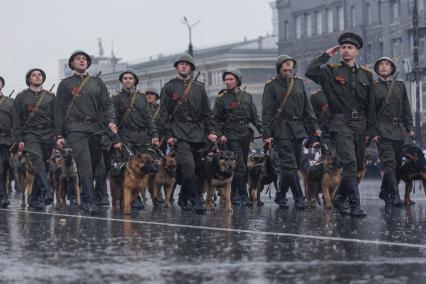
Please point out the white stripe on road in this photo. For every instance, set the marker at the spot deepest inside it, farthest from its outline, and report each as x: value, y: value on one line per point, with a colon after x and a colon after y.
x: 302, y: 236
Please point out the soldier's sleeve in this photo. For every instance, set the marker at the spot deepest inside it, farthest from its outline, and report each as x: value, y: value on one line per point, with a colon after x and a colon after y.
x: 315, y: 72
x: 163, y: 117
x: 219, y: 116
x: 152, y: 129
x: 406, y: 115
x: 107, y: 106
x: 207, y: 114
x: 116, y: 105
x: 314, y: 105
x: 254, y: 117
x: 309, y: 120
x: 267, y: 110
x: 60, y: 110
x: 371, y: 130
x: 17, y: 121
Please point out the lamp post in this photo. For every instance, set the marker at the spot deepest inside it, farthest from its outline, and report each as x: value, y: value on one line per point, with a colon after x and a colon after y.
x: 189, y: 26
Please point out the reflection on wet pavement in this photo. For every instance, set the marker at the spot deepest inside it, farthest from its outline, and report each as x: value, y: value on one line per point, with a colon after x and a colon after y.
x: 256, y: 245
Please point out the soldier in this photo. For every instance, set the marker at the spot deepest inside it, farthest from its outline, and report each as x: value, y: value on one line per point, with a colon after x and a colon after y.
x: 287, y: 117
x: 6, y: 140
x: 136, y: 126
x: 33, y: 127
x: 83, y: 107
x: 234, y: 110
x: 152, y: 97
x: 350, y: 96
x: 320, y: 106
x: 185, y: 107
x: 393, y: 118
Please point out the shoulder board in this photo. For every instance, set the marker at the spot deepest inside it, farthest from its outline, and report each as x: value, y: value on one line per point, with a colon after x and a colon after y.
x: 221, y: 93
x: 317, y: 92
x: 376, y: 81
x: 21, y: 92
x: 171, y: 80
x: 198, y: 82
x: 269, y: 81
x: 116, y: 94
x: 366, y: 69
x: 334, y: 65
x: 50, y: 93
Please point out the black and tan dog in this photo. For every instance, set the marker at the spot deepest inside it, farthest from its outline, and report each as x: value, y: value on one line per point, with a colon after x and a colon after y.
x: 65, y: 176
x: 219, y: 170
x: 261, y: 172
x: 164, y: 177
x: 25, y: 176
x: 138, y: 169
x: 414, y: 168
x: 322, y: 176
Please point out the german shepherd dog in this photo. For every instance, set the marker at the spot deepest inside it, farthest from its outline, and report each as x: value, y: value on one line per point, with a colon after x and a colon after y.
x: 25, y: 177
x: 322, y: 176
x: 65, y: 178
x: 219, y: 170
x: 414, y: 168
x: 164, y: 176
x: 261, y: 172
x: 138, y: 169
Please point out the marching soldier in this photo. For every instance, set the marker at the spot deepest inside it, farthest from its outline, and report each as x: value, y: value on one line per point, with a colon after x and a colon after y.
x: 6, y: 140
x: 320, y: 106
x: 393, y: 119
x: 350, y: 96
x: 135, y: 124
x: 33, y: 127
x: 184, y: 106
x: 152, y: 97
x: 287, y: 118
x: 234, y: 110
x: 83, y: 107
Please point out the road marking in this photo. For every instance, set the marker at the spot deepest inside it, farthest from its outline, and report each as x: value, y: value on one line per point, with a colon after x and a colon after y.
x: 302, y: 236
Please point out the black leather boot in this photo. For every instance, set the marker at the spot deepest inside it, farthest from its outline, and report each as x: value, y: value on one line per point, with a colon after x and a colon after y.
x: 340, y: 198
x: 296, y: 190
x: 384, y: 189
x: 354, y: 198
x: 101, y: 194
x: 235, y: 196
x: 4, y: 201
x: 280, y: 194
x: 43, y: 185
x: 138, y: 203
x: 185, y: 194
x: 88, y: 195
x: 394, y: 197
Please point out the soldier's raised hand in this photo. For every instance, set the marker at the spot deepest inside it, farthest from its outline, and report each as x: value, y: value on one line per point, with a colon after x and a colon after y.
x: 333, y: 50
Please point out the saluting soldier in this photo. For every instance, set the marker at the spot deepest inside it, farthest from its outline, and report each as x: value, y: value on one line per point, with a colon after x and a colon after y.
x: 186, y: 115
x: 351, y: 99
x: 287, y: 118
x: 33, y: 126
x: 6, y: 140
x: 233, y: 111
x: 394, y: 120
x: 83, y: 108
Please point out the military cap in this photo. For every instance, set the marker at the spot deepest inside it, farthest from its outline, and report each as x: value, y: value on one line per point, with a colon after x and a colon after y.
x: 351, y: 38
x: 376, y: 65
x: 283, y: 58
x: 27, y: 76
x: 186, y: 58
x: 129, y: 72
x: 235, y: 72
x: 77, y: 52
x: 2, y: 81
x: 152, y: 91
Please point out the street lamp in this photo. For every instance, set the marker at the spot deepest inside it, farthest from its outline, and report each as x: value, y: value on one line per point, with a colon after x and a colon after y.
x: 189, y: 26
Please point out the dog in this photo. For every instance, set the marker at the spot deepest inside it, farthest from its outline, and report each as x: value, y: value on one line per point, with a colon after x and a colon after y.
x: 219, y: 171
x: 261, y: 172
x: 371, y: 156
x: 136, y: 173
x: 413, y: 168
x: 322, y: 176
x: 65, y: 176
x: 164, y: 176
x: 25, y: 177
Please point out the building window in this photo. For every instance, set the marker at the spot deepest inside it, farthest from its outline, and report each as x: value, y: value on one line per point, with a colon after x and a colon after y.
x: 341, y: 17
x: 318, y: 17
x: 308, y: 23
x: 422, y: 46
x: 379, y: 11
x: 298, y: 24
x: 353, y: 17
x: 397, y: 48
x: 286, y: 31
x: 422, y: 5
x: 395, y: 11
x: 330, y: 27
x: 368, y: 13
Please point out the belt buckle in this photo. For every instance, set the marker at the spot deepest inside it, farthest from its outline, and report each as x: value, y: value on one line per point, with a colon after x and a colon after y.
x: 87, y: 120
x: 394, y: 120
x: 3, y: 134
x: 294, y: 118
x: 242, y: 123
x: 39, y: 127
x: 135, y: 129
x: 354, y: 115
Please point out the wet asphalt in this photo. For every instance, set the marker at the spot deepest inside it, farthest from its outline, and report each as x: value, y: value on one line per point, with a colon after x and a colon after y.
x: 250, y: 245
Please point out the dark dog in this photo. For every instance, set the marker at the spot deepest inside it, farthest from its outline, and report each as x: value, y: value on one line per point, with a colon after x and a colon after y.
x: 165, y: 176
x: 261, y: 172
x: 371, y: 156
x: 25, y: 176
x: 135, y: 182
x: 414, y: 168
x: 219, y: 172
x: 322, y: 176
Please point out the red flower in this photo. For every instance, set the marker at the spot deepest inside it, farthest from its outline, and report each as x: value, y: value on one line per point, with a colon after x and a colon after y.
x: 175, y: 97
x: 31, y: 108
x: 324, y: 107
x: 233, y: 105
x: 75, y: 91
x: 340, y: 79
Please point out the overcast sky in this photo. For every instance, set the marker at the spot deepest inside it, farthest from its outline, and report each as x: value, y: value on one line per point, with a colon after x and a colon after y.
x: 38, y: 33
